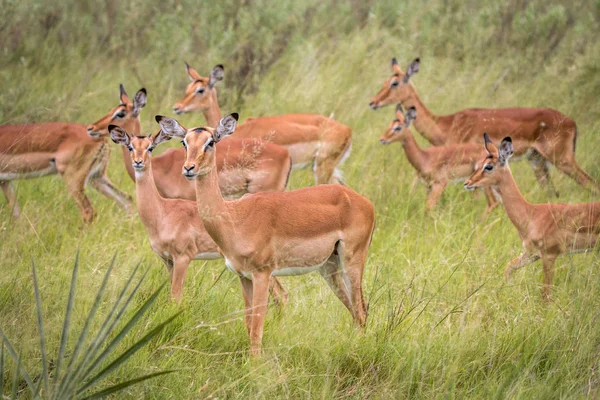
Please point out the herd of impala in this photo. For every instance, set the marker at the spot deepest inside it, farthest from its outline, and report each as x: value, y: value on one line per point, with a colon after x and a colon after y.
x: 270, y: 232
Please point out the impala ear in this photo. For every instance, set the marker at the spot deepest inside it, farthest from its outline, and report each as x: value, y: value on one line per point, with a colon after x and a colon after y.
x: 139, y: 101
x: 410, y: 116
x: 192, y: 73
x: 118, y: 135
x: 170, y: 126
x: 413, y: 68
x: 160, y: 137
x: 123, y: 98
x: 226, y: 126
x: 396, y: 67
x: 506, y: 150
x: 216, y: 75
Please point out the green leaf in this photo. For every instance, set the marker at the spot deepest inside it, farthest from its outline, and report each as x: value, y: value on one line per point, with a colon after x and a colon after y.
x: 17, y: 357
x: 124, y: 385
x: 38, y: 306
x: 128, y: 353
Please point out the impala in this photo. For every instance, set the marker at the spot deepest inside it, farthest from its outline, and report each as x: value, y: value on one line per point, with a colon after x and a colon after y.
x: 310, y: 138
x: 546, y: 230
x: 436, y: 165
x: 35, y: 150
x: 325, y: 228
x: 173, y: 225
x: 244, y: 165
x: 544, y: 134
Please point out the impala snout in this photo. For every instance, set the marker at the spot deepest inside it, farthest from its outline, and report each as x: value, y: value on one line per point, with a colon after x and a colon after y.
x: 469, y: 185
x: 138, y: 165
x: 178, y: 109
x: 188, y: 172
x: 373, y: 105
x: 383, y: 141
x: 92, y: 131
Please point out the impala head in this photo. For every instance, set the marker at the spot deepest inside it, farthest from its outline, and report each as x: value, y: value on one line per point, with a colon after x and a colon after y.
x: 396, y: 88
x: 140, y: 147
x: 491, y: 169
x: 122, y: 115
x: 199, y: 93
x: 398, y: 129
x: 199, y: 142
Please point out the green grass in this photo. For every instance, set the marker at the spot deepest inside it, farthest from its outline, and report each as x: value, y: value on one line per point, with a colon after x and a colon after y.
x: 442, y: 320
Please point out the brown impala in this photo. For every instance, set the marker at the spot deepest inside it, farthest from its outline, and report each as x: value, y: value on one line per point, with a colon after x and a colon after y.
x: 437, y: 165
x: 325, y: 228
x: 310, y: 138
x: 245, y: 165
x: 34, y: 150
x: 545, y: 135
x: 173, y: 225
x: 546, y: 230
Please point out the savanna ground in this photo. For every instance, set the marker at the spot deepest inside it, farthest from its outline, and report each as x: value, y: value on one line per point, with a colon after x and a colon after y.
x: 443, y: 322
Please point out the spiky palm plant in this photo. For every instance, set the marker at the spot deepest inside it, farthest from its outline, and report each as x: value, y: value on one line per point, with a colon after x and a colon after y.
x: 81, y: 376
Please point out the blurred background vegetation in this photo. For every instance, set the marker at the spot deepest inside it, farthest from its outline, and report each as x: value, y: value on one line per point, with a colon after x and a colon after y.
x: 442, y: 322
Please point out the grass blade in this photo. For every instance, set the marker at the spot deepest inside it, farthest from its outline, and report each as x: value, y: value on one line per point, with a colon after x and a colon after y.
x: 65, y: 330
x: 1, y: 368
x: 125, y: 330
x: 15, y: 382
x: 69, y: 376
x: 38, y: 306
x: 16, y: 357
x: 128, y: 353
x: 124, y: 385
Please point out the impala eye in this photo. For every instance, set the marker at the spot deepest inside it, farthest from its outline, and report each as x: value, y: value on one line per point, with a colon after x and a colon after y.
x: 397, y: 128
x: 488, y: 167
x: 129, y: 147
x: 121, y: 114
x: 200, y: 90
x: 394, y: 83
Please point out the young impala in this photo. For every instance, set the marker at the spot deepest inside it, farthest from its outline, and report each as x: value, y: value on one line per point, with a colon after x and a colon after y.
x: 545, y: 135
x: 325, y: 228
x: 35, y: 150
x: 244, y: 165
x: 173, y: 225
x: 436, y: 165
x: 547, y: 230
x: 310, y: 138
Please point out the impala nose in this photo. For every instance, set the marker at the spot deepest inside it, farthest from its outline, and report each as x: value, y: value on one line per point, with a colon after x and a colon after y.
x: 372, y: 105
x: 177, y: 109
x: 137, y: 163
x: 383, y: 141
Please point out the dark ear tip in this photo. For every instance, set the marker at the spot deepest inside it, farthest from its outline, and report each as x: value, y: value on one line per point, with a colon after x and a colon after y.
x: 394, y: 61
x: 111, y: 127
x: 507, y: 139
x: 399, y: 107
x: 143, y: 90
x: 418, y: 59
x: 413, y: 108
x: 235, y: 116
x: 220, y: 66
x: 158, y: 118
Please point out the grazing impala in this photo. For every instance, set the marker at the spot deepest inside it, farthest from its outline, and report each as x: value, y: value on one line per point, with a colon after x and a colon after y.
x: 244, y: 165
x: 324, y: 228
x: 310, y: 138
x: 34, y: 150
x: 437, y: 165
x: 173, y: 225
x: 547, y: 230
x: 545, y: 135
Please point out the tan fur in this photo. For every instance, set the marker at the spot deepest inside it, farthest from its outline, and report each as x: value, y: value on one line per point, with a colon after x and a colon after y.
x: 33, y: 150
x: 310, y: 139
x: 328, y: 227
x: 546, y: 230
x: 176, y: 232
x: 437, y: 165
x: 544, y: 134
x: 244, y: 165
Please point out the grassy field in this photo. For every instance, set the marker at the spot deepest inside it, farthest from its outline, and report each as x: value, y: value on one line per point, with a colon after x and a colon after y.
x: 443, y: 322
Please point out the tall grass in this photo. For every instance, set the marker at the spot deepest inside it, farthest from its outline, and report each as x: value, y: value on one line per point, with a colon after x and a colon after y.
x: 442, y: 320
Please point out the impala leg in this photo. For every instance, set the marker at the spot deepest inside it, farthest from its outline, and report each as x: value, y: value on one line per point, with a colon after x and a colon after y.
x: 180, y: 267
x: 76, y: 185
x: 9, y: 192
x: 247, y: 293
x: 572, y: 169
x: 260, y: 300
x: 333, y: 274
x: 519, y: 262
x: 434, y: 194
x: 491, y: 200
x: 323, y: 170
x: 279, y: 293
x: 107, y: 188
x: 548, y: 261
x: 539, y: 165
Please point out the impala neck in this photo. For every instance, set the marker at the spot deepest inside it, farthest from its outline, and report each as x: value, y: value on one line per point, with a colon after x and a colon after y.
x: 149, y: 201
x: 134, y: 127
x: 213, y: 209
x: 518, y: 209
x: 416, y: 156
x: 213, y: 112
x: 426, y: 121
